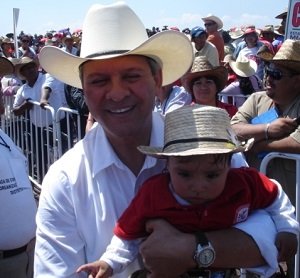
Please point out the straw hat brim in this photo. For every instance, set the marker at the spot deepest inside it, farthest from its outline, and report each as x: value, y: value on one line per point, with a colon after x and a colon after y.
x: 169, y: 48
x: 294, y: 66
x: 23, y: 62
x: 6, y: 67
x: 220, y: 73
x: 198, y: 149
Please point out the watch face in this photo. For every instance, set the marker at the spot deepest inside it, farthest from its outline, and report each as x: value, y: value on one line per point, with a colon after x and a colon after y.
x: 206, y: 257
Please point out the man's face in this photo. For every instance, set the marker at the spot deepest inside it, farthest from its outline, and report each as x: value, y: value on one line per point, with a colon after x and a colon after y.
x: 29, y: 71
x: 210, y: 26
x: 200, y: 41
x: 120, y: 94
x: 281, y: 85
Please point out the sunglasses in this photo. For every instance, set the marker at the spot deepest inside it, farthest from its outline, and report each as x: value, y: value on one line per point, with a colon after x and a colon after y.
x: 209, y: 24
x: 276, y: 74
x: 25, y: 40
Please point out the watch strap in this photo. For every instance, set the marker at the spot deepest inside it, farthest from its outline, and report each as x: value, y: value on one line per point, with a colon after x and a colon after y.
x: 201, y: 238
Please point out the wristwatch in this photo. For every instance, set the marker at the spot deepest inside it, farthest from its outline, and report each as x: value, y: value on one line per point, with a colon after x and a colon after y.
x: 205, y: 254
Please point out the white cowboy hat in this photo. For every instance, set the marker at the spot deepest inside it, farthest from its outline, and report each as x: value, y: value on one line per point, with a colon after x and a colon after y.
x: 197, y: 130
x: 243, y: 66
x: 113, y: 31
x: 214, y: 18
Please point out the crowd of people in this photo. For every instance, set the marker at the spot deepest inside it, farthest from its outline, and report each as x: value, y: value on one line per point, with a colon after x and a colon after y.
x: 160, y: 184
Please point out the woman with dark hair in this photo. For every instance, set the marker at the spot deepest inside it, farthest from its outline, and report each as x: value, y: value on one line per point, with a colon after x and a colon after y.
x: 204, y: 82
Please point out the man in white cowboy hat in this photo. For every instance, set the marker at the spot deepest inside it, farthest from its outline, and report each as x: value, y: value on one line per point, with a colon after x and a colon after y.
x: 86, y: 191
x: 212, y: 24
x: 68, y: 42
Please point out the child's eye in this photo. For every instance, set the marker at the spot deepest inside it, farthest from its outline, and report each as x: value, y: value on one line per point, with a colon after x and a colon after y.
x: 212, y: 175
x: 184, y: 174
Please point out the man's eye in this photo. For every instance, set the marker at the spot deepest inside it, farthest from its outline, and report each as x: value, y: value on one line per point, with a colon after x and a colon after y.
x: 132, y: 77
x: 98, y: 81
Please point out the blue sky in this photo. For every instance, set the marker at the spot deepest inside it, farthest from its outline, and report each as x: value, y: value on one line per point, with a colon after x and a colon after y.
x: 39, y: 16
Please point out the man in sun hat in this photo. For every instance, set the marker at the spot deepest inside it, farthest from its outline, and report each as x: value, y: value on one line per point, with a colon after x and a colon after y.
x: 86, y: 191
x: 198, y: 186
x: 212, y: 24
x: 272, y: 117
x: 203, y: 47
x: 280, y: 133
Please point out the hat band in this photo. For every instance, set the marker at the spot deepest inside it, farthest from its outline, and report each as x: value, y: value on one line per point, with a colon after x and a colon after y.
x: 191, y: 140
x: 113, y: 52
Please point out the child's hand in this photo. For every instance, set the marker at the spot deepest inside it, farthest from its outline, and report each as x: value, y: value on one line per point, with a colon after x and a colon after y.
x: 97, y: 269
x: 286, y: 244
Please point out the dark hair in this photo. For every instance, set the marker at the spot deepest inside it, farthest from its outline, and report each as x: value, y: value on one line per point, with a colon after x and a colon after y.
x: 207, y: 77
x: 246, y: 85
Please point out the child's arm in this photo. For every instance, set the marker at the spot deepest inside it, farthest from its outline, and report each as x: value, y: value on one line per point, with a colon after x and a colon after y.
x: 283, y: 212
x: 119, y: 253
x: 283, y: 215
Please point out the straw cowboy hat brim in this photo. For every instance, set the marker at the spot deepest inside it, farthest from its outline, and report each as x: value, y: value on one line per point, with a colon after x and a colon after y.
x: 243, y: 67
x: 202, y: 67
x: 20, y: 63
x: 197, y: 130
x: 115, y: 31
x: 288, y: 56
x: 215, y: 19
x: 6, y: 67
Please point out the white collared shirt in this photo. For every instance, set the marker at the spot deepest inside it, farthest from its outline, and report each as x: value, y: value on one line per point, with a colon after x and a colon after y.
x: 83, y: 195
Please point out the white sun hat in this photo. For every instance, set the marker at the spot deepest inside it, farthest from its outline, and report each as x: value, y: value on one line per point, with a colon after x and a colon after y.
x: 115, y: 30
x: 197, y: 130
x: 243, y: 66
x: 214, y: 18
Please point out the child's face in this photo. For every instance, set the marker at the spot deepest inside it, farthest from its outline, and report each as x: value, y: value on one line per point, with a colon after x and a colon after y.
x: 198, y: 179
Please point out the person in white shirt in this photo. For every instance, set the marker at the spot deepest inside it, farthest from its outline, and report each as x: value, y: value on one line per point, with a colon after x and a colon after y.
x: 86, y: 191
x: 17, y: 214
x: 204, y: 47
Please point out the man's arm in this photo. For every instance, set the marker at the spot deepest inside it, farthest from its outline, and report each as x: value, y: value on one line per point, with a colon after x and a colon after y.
x: 166, y: 245
x: 287, y: 144
x: 277, y: 129
x: 45, y: 95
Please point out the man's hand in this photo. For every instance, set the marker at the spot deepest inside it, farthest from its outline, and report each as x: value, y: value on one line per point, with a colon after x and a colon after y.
x: 281, y: 127
x: 286, y: 244
x: 167, y: 252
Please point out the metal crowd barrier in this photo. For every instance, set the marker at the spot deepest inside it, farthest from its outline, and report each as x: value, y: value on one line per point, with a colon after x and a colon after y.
x: 263, y: 169
x: 236, y: 100
x: 41, y: 145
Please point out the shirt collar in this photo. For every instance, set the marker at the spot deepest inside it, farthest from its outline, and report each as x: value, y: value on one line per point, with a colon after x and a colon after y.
x: 109, y: 157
